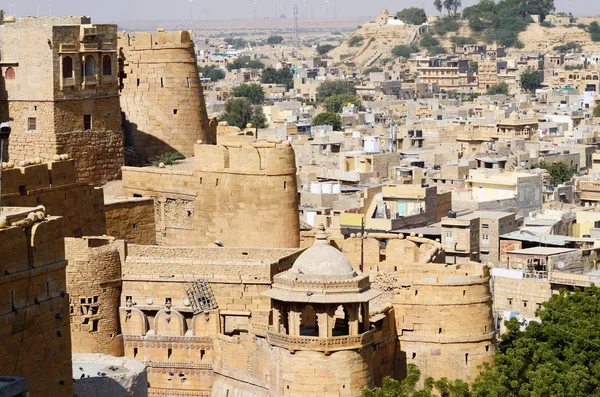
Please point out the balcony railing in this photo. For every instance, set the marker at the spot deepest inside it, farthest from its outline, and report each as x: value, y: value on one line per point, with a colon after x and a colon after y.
x: 335, y: 343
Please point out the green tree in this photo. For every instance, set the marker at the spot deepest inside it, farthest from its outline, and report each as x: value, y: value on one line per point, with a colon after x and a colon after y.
x: 473, y: 67
x: 214, y: 73
x: 273, y: 40
x: 336, y: 103
x: 253, y: 91
x: 560, y: 172
x: 405, y: 50
x: 236, y: 42
x: 461, y: 40
x: 594, y: 30
x: 324, y: 49
x: 596, y: 111
x: 445, y: 25
x: 335, y: 87
x: 568, y: 47
x: 240, y: 111
x: 539, y: 7
x: 355, y: 40
x: 328, y: 118
x: 428, y: 41
x: 530, y: 80
x: 281, y: 76
x: 245, y: 62
x: 498, y: 89
x: 412, y: 16
x: 558, y: 357
x: 408, y: 386
x: 438, y: 6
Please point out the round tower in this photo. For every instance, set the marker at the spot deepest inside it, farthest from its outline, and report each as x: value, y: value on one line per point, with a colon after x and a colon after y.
x: 444, y: 319
x: 94, y: 287
x: 161, y: 95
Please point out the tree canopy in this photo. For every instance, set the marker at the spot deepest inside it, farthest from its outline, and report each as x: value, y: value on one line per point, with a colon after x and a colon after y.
x: 245, y: 62
x: 498, y: 89
x: 240, y: 111
x: 412, y: 16
x: 274, y: 40
x: 253, y: 91
x: 558, y: 357
x: 236, y: 42
x: 328, y: 118
x: 530, y: 80
x: 594, y: 30
x: 560, y: 172
x: 335, y: 87
x: 324, y: 49
x: 336, y: 103
x: 405, y: 50
x: 281, y: 76
x: 596, y: 111
x: 214, y: 73
x: 408, y: 386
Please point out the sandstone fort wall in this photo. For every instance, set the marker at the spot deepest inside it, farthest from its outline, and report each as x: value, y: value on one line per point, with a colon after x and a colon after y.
x: 161, y: 94
x: 55, y: 186
x: 444, y: 319
x: 132, y: 220
x: 34, y: 312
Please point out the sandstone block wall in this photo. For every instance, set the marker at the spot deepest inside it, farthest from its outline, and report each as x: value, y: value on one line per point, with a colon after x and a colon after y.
x: 34, y: 312
x: 94, y: 286
x: 35, y: 48
x: 243, y: 194
x: 247, y: 365
x: 55, y: 186
x: 131, y: 220
x: 161, y: 94
x: 444, y: 319
x: 522, y: 296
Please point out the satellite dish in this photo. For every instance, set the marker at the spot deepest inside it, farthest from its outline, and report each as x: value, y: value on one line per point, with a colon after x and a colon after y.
x: 560, y: 265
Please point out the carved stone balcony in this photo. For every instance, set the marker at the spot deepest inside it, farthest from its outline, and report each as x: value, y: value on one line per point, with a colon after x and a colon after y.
x: 326, y: 345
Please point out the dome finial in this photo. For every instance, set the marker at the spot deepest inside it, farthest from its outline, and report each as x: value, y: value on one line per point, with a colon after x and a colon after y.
x: 321, y: 235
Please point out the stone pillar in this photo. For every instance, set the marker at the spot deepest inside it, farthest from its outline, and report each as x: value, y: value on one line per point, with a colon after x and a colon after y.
x: 353, y: 325
x: 330, y: 321
x: 323, y: 322
x: 276, y: 319
x: 365, y: 323
x: 294, y: 321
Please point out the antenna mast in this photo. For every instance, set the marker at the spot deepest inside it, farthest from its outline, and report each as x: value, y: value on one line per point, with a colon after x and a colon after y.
x: 296, y: 28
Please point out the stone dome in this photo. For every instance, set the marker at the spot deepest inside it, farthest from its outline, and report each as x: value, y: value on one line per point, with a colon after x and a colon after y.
x: 322, y: 261
x: 514, y: 116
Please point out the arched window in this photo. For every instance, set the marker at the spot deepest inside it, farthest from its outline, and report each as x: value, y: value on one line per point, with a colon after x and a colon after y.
x: 107, y: 65
x: 10, y: 74
x: 90, y: 66
x: 67, y: 67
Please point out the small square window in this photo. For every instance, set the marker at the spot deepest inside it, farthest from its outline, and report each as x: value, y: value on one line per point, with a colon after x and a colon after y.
x: 87, y: 122
x: 31, y: 124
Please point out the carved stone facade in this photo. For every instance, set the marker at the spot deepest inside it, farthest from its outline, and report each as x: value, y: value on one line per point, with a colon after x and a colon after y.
x: 59, y: 91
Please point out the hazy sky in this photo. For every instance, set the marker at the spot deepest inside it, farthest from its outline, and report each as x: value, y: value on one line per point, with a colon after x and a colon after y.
x: 123, y: 10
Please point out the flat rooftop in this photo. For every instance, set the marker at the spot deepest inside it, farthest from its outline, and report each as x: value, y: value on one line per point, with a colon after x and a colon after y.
x: 542, y: 251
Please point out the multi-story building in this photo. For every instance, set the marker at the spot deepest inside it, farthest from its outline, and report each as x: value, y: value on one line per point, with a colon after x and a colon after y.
x: 447, y: 74
x: 59, y: 79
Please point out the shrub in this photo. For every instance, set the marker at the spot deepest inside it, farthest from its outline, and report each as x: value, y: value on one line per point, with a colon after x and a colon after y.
x: 596, y: 111
x: 473, y: 67
x: 530, y: 80
x: 570, y: 46
x: 355, y: 40
x: 427, y: 41
x: 240, y: 111
x: 573, y: 67
x: 253, y: 91
x: 336, y: 103
x: 214, y: 73
x: 405, y: 50
x: 498, y: 89
x: 436, y: 50
x: 460, y: 40
x: 274, y: 40
x: 335, y: 87
x: 324, y: 49
x: 445, y: 25
x: 372, y: 69
x: 547, y: 24
x: 168, y: 158
x: 245, y: 62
